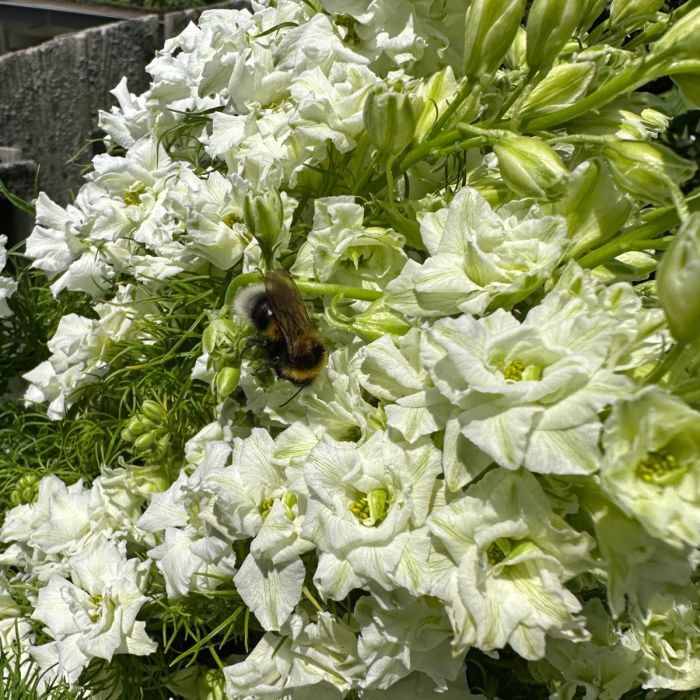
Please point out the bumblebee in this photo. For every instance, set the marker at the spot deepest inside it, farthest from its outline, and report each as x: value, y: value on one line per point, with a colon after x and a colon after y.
x: 293, y: 347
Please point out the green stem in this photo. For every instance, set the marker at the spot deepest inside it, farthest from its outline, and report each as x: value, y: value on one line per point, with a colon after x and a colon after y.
x: 236, y: 283
x: 464, y: 92
x: 666, y: 364
x: 637, y: 74
x: 657, y: 222
x: 324, y: 289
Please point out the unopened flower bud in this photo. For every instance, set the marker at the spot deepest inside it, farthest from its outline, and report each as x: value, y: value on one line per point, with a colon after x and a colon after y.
x: 647, y: 171
x: 678, y: 281
x: 550, y: 24
x: 491, y: 26
x: 562, y: 86
x: 631, y: 14
x: 222, y: 334
x: 143, y: 442
x: 264, y: 216
x: 139, y: 425
x: 389, y: 120
x: 530, y: 167
x: 681, y: 41
x: 153, y: 410
x: 226, y: 381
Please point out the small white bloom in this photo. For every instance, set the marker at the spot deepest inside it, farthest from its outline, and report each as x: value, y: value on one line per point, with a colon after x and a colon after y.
x: 94, y: 613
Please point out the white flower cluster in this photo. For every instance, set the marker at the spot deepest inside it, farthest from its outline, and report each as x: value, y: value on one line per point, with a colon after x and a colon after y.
x: 480, y: 464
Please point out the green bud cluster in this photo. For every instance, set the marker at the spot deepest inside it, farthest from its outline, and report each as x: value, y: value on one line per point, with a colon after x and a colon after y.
x: 25, y: 490
x: 148, y: 430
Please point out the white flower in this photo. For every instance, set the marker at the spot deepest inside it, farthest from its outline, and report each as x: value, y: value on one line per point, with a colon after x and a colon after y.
x: 193, y: 554
x: 651, y: 444
x: 668, y: 635
x: 81, y: 349
x: 480, y: 259
x: 339, y: 249
x: 400, y: 634
x: 94, y: 613
x: 366, y: 507
x: 128, y: 122
x: 508, y: 557
x: 529, y: 392
x: 310, y: 660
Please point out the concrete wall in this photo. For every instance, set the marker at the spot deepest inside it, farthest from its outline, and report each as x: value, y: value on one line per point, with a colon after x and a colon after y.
x: 50, y: 96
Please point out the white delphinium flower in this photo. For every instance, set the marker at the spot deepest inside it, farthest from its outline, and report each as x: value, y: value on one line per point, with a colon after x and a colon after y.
x: 400, y: 634
x: 637, y: 564
x: 81, y: 350
x: 529, y: 392
x: 341, y: 250
x: 309, y: 659
x: 605, y: 665
x: 507, y: 558
x: 668, y: 635
x: 56, y: 240
x: 193, y: 554
x: 651, y: 461
x: 45, y: 533
x: 366, y: 511
x: 479, y: 258
x: 252, y: 499
x: 416, y: 35
x: 396, y: 376
x: 8, y: 286
x: 130, y: 121
x: 91, y: 612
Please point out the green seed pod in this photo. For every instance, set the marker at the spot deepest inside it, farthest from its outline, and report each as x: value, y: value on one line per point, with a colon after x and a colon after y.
x: 264, y: 216
x: 491, y: 27
x: 389, y: 120
x: 153, y: 410
x: 550, y: 24
x: 226, y: 380
x: 530, y: 167
x: 678, y: 281
x: 647, y: 171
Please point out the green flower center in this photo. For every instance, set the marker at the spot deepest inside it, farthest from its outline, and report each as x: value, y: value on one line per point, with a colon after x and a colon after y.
x: 96, y: 614
x: 517, y: 370
x: 265, y: 506
x: 348, y: 22
x: 499, y: 549
x: 659, y: 468
x: 231, y: 218
x: 133, y: 194
x: 371, y: 508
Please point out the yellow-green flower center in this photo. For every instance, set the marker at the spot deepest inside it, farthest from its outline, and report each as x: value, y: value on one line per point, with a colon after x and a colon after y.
x: 231, y: 218
x: 498, y: 550
x: 517, y: 370
x: 265, y: 506
x: 96, y: 614
x: 371, y: 508
x: 659, y: 468
x: 133, y: 194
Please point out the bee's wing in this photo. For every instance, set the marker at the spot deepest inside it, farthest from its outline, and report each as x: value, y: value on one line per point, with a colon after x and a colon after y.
x: 288, y: 309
